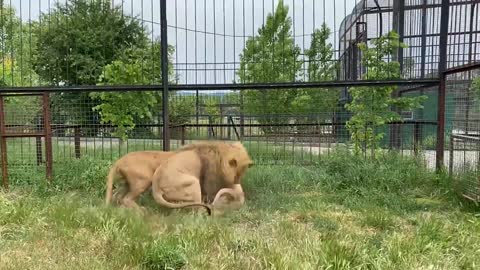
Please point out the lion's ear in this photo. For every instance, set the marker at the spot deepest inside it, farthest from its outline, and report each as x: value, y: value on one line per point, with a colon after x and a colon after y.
x: 232, y: 162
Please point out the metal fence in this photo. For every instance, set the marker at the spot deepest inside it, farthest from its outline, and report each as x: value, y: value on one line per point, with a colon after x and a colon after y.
x: 463, y: 128
x: 95, y: 79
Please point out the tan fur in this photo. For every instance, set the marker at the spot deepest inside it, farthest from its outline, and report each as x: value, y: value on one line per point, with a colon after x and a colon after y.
x: 231, y: 198
x: 196, y: 169
x: 136, y: 169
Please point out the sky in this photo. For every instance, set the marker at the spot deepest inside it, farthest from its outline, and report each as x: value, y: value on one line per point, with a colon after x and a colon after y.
x: 205, y: 32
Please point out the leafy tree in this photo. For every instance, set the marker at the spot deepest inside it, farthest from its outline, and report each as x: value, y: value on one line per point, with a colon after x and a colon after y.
x: 372, y: 106
x: 272, y: 56
x: 212, y: 109
x: 75, y: 42
x: 16, y: 54
x: 18, y: 50
x: 136, y: 66
x: 321, y: 67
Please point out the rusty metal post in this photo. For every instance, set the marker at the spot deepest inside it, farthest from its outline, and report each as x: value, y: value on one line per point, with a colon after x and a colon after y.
x: 442, y: 67
x: 183, y: 134
x: 76, y: 141
x: 47, y: 129
x: 441, y: 124
x: 38, y: 145
x: 164, y: 61
x: 3, y: 146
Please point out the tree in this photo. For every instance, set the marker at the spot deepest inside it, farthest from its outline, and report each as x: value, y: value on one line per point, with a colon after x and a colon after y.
x: 136, y: 66
x: 75, y: 42
x: 272, y: 56
x: 321, y: 67
x: 18, y: 50
x: 16, y: 54
x: 372, y: 106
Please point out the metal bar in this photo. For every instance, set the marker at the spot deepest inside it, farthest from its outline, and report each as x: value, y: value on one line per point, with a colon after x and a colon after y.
x: 21, y: 94
x: 230, y: 118
x: 466, y: 138
x: 442, y: 66
x: 441, y: 124
x: 38, y: 145
x: 310, y: 124
x: 462, y: 68
x: 48, y: 136
x: 183, y: 135
x: 206, y: 87
x: 165, y: 83
x: 450, y: 161
x: 76, y: 141
x: 3, y: 146
x: 23, y: 135
x: 423, y: 39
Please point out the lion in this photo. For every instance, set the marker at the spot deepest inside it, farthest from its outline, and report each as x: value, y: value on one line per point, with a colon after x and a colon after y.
x: 136, y: 169
x: 200, y: 169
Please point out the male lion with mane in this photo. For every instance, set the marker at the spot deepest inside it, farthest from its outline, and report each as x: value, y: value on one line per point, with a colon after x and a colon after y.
x: 198, y: 169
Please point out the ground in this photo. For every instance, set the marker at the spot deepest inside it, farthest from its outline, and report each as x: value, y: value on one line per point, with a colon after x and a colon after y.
x: 344, y: 213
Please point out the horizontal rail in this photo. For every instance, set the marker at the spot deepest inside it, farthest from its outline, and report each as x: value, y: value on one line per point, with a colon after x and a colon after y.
x: 462, y: 68
x: 466, y: 138
x: 65, y: 126
x: 205, y: 87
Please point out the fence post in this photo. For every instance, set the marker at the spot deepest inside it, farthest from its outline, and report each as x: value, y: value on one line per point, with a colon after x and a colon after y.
x: 47, y: 128
x: 76, y: 141
x: 38, y: 142
x: 164, y: 62
x: 38, y: 146
x: 450, y: 162
x: 183, y: 134
x: 442, y: 66
x: 3, y: 146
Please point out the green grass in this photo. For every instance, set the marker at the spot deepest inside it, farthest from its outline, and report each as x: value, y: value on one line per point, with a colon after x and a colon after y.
x: 344, y: 213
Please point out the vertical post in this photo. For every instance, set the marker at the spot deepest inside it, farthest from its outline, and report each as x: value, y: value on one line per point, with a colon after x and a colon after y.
x: 38, y: 141
x: 441, y: 124
x: 424, y: 39
x: 242, y: 115
x: 183, y: 134
x: 47, y: 129
x: 3, y: 146
x: 76, y: 141
x: 401, y: 31
x: 164, y: 60
x: 450, y: 162
x: 416, y: 137
x: 197, y: 110
x: 38, y: 145
x: 221, y: 121
x: 442, y: 66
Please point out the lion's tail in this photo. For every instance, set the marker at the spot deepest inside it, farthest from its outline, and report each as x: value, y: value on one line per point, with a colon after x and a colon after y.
x: 161, y: 200
x: 110, y: 178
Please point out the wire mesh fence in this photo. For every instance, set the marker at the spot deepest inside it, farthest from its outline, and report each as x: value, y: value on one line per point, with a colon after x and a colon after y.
x: 274, y: 74
x: 463, y: 128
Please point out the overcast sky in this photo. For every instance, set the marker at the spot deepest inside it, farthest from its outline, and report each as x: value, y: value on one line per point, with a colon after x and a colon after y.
x: 227, y: 24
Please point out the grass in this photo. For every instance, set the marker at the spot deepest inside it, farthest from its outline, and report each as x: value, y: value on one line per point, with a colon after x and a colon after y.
x: 344, y: 213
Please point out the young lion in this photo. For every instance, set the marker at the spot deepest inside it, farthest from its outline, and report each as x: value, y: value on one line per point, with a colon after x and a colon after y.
x: 196, y: 169
x: 136, y: 169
